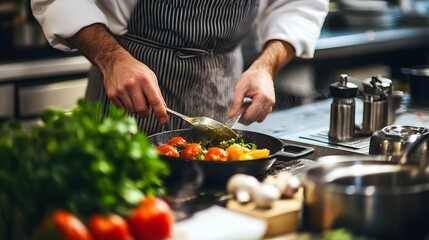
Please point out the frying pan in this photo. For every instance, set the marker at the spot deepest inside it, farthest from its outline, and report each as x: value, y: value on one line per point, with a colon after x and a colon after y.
x: 217, y: 173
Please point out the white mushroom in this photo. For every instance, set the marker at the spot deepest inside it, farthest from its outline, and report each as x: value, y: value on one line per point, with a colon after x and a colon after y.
x: 265, y: 195
x: 242, y: 186
x: 282, y: 180
x: 270, y: 180
x: 285, y: 182
x: 292, y: 187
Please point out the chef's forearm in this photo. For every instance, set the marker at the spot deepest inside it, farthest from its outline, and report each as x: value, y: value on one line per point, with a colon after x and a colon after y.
x: 274, y: 56
x: 98, y: 45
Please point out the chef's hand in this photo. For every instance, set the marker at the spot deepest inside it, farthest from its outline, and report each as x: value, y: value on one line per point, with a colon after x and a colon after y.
x: 257, y: 82
x: 258, y: 85
x: 129, y: 83
x: 132, y: 85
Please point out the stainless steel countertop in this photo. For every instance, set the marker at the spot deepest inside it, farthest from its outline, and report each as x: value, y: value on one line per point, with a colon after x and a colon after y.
x: 309, y: 124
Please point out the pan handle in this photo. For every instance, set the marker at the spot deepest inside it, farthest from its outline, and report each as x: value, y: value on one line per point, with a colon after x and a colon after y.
x: 291, y: 151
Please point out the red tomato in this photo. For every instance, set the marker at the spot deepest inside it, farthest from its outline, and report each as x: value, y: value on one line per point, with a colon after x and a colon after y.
x: 177, y: 142
x: 112, y: 227
x: 168, y: 150
x: 70, y: 226
x: 216, y: 153
x: 152, y: 220
x: 191, y: 151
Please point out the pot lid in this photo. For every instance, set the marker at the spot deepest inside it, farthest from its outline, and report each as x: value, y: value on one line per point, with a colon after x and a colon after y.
x: 403, y: 130
x: 368, y: 178
x: 401, y: 133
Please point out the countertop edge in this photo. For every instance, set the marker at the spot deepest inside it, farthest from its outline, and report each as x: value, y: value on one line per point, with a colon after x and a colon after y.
x: 44, y: 68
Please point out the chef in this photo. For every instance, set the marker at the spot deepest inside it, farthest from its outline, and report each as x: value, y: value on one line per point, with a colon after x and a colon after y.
x: 184, y: 54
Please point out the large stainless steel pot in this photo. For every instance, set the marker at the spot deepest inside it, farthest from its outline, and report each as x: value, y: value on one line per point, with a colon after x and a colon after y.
x: 368, y: 197
x: 373, y: 195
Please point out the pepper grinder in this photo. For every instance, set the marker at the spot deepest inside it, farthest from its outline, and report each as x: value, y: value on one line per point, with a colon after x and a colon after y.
x: 377, y: 91
x: 342, y: 124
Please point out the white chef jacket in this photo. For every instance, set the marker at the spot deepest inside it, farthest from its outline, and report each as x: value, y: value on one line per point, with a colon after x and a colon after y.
x: 297, y: 22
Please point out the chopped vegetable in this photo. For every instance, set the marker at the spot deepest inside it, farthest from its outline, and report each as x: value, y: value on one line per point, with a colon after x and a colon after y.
x: 217, y: 154
x: 240, y: 141
x: 168, y: 150
x: 178, y: 142
x: 254, y: 153
x: 192, y: 151
x: 236, y: 150
x: 233, y: 149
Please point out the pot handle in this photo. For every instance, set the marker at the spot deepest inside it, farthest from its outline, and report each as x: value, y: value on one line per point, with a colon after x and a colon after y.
x: 291, y: 151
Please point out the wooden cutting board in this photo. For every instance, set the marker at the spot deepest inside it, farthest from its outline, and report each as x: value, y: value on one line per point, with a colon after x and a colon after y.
x: 282, y: 218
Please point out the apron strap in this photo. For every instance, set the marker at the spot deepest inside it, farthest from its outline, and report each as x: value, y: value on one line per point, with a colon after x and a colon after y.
x: 182, y: 52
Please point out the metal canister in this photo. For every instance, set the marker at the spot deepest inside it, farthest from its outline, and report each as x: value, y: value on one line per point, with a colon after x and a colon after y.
x: 342, y: 122
x: 377, y: 92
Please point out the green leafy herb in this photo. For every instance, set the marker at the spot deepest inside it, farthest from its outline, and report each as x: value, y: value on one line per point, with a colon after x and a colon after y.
x: 79, y: 161
x: 227, y: 143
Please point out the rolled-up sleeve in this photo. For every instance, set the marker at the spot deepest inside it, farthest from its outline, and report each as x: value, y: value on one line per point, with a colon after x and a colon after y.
x: 297, y: 22
x: 61, y: 19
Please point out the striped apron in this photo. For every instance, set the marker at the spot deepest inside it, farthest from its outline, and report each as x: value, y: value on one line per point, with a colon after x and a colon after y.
x: 193, y: 48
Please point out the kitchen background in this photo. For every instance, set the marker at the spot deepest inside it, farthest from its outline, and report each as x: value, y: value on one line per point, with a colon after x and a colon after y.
x: 360, y: 37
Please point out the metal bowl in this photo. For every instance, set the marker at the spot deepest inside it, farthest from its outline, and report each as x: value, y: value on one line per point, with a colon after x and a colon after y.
x: 393, y: 140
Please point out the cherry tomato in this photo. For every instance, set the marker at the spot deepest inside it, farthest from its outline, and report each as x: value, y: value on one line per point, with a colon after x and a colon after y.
x: 151, y: 220
x: 191, y: 151
x: 177, y: 142
x: 64, y: 225
x: 216, y: 153
x: 71, y: 226
x: 168, y: 150
x: 112, y: 227
x: 235, y: 151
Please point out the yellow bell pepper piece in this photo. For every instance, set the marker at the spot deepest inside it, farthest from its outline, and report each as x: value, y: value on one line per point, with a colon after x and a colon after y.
x: 256, y: 153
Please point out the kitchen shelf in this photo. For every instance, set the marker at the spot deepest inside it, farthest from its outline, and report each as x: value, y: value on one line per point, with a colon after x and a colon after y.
x: 340, y: 43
